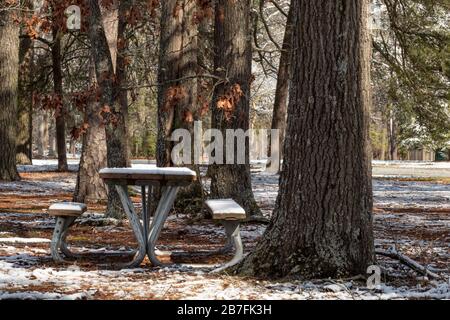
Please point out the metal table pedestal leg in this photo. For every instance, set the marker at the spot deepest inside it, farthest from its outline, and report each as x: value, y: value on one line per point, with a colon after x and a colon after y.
x: 64, y: 248
x: 233, y: 233
x: 161, y: 214
x: 136, y: 226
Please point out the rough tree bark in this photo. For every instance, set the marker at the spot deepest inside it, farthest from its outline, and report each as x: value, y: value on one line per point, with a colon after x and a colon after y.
x: 282, y: 89
x: 116, y: 138
x: 110, y: 19
x: 61, y: 111
x: 90, y: 187
x: 120, y: 66
x: 170, y: 59
x: 25, y: 106
x: 42, y: 140
x: 177, y: 99
x: 322, y: 222
x: 233, y: 62
x: 9, y: 78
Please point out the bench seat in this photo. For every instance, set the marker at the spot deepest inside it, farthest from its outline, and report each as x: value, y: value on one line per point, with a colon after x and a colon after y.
x: 65, y: 213
x: 67, y: 209
x: 230, y: 214
x: 226, y: 209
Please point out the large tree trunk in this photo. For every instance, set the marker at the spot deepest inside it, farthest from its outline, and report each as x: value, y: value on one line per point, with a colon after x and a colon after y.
x: 116, y: 138
x: 90, y: 187
x: 61, y: 111
x: 25, y: 106
x: 282, y: 89
x: 9, y: 78
x: 322, y: 222
x: 233, y: 61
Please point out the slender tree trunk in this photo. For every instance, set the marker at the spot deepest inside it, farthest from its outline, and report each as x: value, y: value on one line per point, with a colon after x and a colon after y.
x: 25, y: 106
x: 61, y: 111
x: 116, y: 138
x: 110, y: 19
x: 282, y: 89
x: 322, y: 222
x: 392, y: 127
x: 9, y: 74
x: 177, y: 99
x: 42, y: 134
x: 233, y: 61
x: 121, y: 67
x: 90, y: 187
x: 384, y: 145
x: 50, y: 135
x: 170, y: 60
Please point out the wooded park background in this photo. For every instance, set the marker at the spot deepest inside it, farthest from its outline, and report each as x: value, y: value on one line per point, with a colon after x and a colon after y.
x: 344, y: 82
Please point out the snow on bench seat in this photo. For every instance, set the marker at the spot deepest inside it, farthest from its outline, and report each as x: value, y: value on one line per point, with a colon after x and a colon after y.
x: 72, y: 209
x: 225, y: 209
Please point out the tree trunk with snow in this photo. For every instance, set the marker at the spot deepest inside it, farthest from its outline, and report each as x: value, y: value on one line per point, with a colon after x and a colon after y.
x: 322, y: 222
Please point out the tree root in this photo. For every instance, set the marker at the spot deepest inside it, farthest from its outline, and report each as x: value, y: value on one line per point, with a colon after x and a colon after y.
x: 257, y: 219
x: 393, y: 254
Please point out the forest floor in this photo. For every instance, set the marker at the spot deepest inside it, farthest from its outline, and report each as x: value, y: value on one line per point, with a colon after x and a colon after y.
x: 412, y: 214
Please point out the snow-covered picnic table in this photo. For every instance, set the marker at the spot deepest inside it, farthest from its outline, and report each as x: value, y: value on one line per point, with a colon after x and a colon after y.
x: 170, y: 180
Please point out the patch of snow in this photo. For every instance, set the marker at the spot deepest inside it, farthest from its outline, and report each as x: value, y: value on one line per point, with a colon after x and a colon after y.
x: 412, y: 164
x: 48, y: 165
x: 35, y: 295
x: 24, y: 240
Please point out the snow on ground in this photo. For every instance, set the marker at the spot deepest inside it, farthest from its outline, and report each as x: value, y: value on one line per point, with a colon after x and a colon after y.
x: 45, y: 165
x: 176, y: 283
x: 23, y: 240
x: 393, y: 193
x: 411, y: 169
x: 380, y: 168
x: 411, y: 216
x: 413, y: 164
x: 43, y: 187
